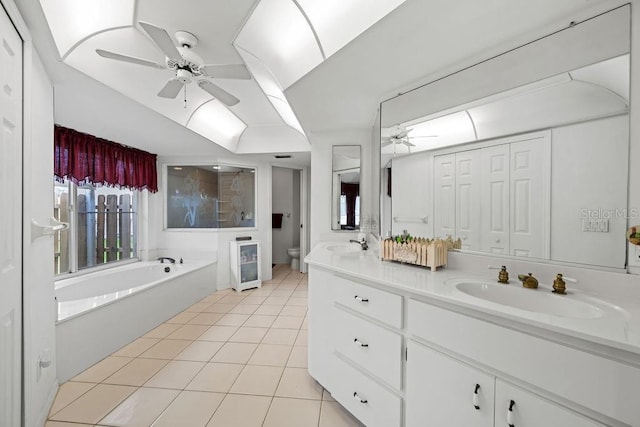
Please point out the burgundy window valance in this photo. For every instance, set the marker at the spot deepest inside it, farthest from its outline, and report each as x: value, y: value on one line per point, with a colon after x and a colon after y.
x: 85, y: 158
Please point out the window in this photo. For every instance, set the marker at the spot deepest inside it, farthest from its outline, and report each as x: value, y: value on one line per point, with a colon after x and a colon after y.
x: 210, y: 196
x: 103, y: 226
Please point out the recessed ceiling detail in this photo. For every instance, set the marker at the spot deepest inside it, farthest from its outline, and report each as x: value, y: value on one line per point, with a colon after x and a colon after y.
x: 279, y: 41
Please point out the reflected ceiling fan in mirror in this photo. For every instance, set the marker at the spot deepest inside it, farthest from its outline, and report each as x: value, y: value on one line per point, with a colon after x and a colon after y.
x: 400, y: 135
x: 186, y: 65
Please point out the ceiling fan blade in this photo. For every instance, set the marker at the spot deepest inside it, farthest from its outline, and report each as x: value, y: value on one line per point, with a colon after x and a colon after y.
x: 408, y: 144
x: 422, y: 136
x: 227, y: 71
x: 171, y: 89
x: 218, y: 93
x: 386, y: 143
x: 162, y: 39
x: 131, y: 59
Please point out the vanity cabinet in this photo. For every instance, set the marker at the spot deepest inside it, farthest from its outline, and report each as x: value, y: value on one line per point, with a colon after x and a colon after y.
x: 399, y: 358
x: 355, y: 351
x: 446, y: 391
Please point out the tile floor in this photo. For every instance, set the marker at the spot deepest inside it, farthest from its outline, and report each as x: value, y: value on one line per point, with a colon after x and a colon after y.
x: 229, y: 360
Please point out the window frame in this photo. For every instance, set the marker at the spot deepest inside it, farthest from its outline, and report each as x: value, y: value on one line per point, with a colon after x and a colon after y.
x: 72, y: 231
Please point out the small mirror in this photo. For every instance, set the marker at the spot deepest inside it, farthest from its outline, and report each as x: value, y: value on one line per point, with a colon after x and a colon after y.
x: 345, y: 207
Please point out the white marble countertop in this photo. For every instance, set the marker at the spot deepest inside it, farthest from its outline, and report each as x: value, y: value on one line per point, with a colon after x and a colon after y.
x: 618, y: 327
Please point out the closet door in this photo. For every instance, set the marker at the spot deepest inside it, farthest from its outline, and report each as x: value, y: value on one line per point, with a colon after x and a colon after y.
x: 467, y: 189
x: 494, y: 201
x: 444, y: 196
x: 530, y: 195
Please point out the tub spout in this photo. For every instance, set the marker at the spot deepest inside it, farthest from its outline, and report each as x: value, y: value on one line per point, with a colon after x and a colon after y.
x: 162, y: 258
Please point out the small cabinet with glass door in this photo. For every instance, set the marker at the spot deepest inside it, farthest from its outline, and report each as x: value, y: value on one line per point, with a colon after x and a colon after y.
x: 244, y: 260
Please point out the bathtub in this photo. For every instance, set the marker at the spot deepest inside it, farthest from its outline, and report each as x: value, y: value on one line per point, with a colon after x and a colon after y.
x: 100, y: 312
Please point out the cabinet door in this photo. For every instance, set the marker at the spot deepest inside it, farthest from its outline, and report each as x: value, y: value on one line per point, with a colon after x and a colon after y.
x: 530, y: 410
x: 322, y: 327
x: 444, y: 392
x: 468, y: 183
x: 444, y: 214
x: 494, y: 203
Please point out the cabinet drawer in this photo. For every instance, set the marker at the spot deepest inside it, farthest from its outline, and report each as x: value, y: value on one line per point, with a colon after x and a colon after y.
x: 601, y: 384
x: 378, y: 304
x: 367, y: 400
x: 374, y: 348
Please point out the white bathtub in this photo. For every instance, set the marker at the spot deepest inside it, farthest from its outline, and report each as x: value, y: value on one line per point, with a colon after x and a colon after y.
x: 100, y: 312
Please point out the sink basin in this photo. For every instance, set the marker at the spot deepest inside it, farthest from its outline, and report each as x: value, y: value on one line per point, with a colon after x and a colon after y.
x: 539, y: 300
x: 344, y: 248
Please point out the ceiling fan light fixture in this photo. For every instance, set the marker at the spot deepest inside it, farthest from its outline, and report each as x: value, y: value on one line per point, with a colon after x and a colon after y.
x: 184, y: 76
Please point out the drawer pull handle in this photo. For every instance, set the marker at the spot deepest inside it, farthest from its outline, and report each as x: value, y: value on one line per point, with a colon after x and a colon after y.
x: 476, y: 398
x: 357, y: 298
x: 361, y: 344
x: 355, y: 394
x: 510, y: 414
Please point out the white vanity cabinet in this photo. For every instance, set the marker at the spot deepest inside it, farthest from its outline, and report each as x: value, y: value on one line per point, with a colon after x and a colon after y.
x: 354, y: 350
x: 444, y: 391
x: 396, y: 357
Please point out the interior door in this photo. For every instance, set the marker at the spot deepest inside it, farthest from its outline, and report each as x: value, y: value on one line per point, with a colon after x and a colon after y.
x: 468, y: 179
x: 444, y: 194
x: 530, y: 195
x: 494, y: 200
x: 10, y: 222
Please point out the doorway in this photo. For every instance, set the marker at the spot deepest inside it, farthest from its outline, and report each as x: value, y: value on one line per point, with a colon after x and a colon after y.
x: 288, y: 199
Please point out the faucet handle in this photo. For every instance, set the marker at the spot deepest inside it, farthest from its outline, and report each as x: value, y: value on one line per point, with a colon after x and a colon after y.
x: 559, y: 286
x: 503, y: 275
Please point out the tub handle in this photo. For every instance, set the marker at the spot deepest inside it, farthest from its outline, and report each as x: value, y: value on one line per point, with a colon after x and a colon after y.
x: 39, y: 230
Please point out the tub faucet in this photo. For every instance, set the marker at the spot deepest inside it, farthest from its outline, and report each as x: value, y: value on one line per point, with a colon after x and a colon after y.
x: 363, y: 243
x: 162, y: 258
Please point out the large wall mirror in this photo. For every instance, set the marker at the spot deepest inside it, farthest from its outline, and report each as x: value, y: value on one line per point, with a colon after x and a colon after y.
x: 523, y: 155
x: 345, y: 209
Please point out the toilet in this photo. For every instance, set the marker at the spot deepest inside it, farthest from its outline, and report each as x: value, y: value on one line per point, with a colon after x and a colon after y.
x: 294, y: 253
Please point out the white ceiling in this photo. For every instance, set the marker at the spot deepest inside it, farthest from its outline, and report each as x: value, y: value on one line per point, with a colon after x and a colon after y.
x: 416, y: 42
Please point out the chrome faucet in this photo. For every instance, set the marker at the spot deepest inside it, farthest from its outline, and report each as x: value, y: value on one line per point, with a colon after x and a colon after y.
x: 363, y: 244
x: 162, y: 258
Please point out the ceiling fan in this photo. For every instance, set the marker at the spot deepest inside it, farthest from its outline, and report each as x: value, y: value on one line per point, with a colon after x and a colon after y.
x: 186, y: 64
x: 401, y: 136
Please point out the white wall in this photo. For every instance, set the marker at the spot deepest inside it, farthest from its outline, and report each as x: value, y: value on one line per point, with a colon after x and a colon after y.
x: 210, y: 244
x: 589, y: 176
x: 40, y: 313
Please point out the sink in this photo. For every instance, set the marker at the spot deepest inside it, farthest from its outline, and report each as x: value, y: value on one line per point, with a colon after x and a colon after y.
x: 534, y: 300
x: 351, y: 248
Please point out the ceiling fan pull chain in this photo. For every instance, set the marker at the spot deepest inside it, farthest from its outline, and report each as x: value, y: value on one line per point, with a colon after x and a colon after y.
x: 185, y: 96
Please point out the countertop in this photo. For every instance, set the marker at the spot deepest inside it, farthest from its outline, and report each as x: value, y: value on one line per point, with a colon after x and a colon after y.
x: 617, y: 328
